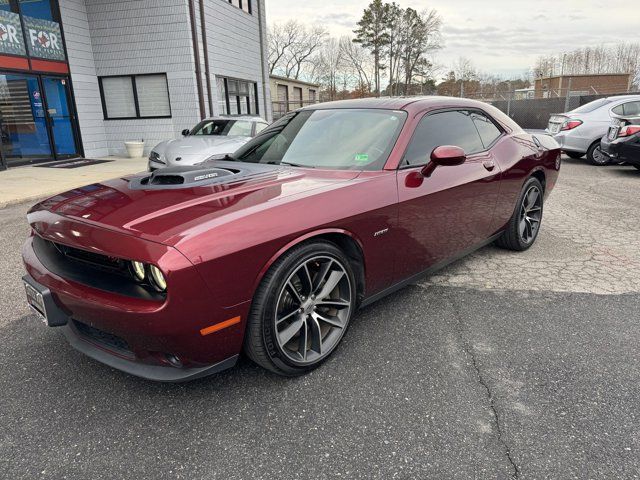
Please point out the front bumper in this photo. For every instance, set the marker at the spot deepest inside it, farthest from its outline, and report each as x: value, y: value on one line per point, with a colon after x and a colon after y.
x: 152, y: 330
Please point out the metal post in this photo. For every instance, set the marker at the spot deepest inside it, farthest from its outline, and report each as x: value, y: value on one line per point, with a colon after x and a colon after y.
x: 568, y: 97
x: 509, y: 99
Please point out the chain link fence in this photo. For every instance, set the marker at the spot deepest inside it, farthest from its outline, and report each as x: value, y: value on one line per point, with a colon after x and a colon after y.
x: 534, y: 113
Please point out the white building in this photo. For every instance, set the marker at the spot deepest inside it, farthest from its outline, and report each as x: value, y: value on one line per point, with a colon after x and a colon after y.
x: 80, y: 77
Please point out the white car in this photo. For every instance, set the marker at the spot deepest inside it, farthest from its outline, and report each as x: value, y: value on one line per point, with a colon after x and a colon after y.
x: 217, y: 136
x: 579, y: 131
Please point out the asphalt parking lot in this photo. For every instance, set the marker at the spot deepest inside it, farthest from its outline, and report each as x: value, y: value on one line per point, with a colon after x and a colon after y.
x: 502, y: 366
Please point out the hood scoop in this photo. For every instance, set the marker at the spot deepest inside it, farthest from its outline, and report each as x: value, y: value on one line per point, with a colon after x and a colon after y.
x: 184, y: 177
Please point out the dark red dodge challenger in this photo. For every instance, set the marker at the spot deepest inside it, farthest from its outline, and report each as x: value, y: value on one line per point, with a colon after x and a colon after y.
x: 271, y: 250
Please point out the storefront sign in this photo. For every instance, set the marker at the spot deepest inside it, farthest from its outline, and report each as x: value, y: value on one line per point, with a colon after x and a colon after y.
x: 44, y: 38
x: 11, y: 40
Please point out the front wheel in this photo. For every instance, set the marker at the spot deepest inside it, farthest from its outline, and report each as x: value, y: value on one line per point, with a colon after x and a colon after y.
x: 596, y: 156
x: 301, y: 309
x: 524, y: 226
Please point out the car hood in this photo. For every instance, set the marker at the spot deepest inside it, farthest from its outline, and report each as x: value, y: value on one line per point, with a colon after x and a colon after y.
x: 199, y: 146
x: 171, y: 215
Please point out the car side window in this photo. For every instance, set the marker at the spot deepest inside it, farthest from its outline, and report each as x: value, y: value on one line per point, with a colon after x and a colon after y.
x: 239, y: 128
x: 488, y: 130
x: 444, y: 128
x: 260, y: 127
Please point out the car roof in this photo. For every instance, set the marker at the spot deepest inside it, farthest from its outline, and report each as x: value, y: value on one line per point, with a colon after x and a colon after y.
x: 249, y: 118
x: 615, y: 98
x: 399, y: 103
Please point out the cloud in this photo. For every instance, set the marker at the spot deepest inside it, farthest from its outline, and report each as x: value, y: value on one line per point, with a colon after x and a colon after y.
x: 498, y: 35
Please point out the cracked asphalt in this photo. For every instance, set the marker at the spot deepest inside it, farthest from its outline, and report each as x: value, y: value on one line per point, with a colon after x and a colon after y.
x: 502, y: 366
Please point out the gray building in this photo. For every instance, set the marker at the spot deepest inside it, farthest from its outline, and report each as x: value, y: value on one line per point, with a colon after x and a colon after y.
x: 80, y: 77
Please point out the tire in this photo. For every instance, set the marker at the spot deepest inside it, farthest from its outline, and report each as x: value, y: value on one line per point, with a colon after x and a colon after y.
x: 290, y: 303
x: 515, y: 237
x: 575, y: 155
x: 596, y: 156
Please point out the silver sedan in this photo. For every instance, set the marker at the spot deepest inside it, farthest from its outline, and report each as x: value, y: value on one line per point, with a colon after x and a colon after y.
x: 579, y: 131
x: 212, y: 137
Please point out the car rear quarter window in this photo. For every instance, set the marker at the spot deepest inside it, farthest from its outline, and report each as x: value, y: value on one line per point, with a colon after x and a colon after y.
x: 444, y: 128
x: 488, y: 130
x: 630, y: 109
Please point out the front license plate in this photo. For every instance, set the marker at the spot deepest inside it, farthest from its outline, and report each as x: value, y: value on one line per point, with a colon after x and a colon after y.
x: 36, y: 302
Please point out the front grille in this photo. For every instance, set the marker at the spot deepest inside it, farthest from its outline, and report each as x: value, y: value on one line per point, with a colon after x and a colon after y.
x: 96, y: 260
x: 93, y: 269
x: 107, y: 340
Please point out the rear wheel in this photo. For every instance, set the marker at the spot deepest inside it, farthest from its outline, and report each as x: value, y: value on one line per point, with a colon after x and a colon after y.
x: 596, y: 156
x: 575, y: 155
x: 524, y: 226
x: 301, y: 310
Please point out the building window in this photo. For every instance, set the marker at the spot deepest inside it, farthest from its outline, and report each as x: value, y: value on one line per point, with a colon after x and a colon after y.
x: 40, y: 9
x: 242, y: 4
x: 237, y: 97
x: 135, y: 96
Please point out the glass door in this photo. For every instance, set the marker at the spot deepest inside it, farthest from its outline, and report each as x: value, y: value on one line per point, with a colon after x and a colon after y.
x: 24, y: 132
x: 60, y: 117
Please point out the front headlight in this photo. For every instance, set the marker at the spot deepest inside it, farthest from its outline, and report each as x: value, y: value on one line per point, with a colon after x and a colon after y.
x: 138, y: 270
x: 157, y: 279
x: 155, y: 157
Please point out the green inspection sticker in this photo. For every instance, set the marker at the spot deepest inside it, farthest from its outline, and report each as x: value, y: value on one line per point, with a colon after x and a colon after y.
x: 362, y: 157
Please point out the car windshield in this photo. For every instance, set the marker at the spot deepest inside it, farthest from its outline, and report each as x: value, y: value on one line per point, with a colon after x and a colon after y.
x: 342, y: 139
x: 231, y: 128
x: 591, y: 106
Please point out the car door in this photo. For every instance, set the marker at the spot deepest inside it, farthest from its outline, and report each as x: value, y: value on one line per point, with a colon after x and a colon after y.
x: 452, y: 210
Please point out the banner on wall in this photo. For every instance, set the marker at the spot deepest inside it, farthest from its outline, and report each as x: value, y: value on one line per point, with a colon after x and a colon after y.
x: 44, y: 38
x: 11, y: 40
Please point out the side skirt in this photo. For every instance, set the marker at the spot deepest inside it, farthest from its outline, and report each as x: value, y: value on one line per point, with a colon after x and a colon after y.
x: 429, y: 271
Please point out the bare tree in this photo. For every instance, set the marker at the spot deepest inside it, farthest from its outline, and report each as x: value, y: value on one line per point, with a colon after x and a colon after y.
x: 301, y: 51
x: 421, y: 38
x: 330, y: 64
x: 281, y: 38
x: 359, y: 59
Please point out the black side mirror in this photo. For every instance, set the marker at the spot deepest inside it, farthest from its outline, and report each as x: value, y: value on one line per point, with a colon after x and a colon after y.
x: 186, y: 132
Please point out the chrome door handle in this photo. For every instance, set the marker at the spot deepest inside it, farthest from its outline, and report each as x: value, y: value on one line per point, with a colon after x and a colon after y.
x: 489, y: 165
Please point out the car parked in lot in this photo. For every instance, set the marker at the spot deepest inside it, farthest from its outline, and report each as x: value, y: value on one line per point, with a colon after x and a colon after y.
x: 212, y: 137
x: 171, y: 275
x: 579, y: 131
x: 622, y: 142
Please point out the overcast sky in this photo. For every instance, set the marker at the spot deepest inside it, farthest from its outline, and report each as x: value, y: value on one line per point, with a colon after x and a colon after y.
x: 502, y: 37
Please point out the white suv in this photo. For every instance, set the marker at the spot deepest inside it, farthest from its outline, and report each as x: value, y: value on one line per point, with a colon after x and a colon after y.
x: 579, y: 131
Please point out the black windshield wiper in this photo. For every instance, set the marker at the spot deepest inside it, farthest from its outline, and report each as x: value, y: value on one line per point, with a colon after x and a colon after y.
x: 296, y: 165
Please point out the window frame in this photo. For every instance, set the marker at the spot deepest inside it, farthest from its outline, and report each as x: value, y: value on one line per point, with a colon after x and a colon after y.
x: 403, y: 165
x: 235, y: 99
x: 132, y: 77
x: 241, y: 5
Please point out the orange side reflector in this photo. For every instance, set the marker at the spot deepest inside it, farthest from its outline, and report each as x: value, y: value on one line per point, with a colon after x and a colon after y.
x: 219, y: 326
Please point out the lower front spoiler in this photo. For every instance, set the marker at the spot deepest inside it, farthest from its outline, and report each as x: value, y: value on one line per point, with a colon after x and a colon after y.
x: 156, y: 373
x: 58, y: 318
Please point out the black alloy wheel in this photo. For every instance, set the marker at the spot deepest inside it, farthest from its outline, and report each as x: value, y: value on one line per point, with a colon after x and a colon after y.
x: 302, y: 309
x: 524, y: 226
